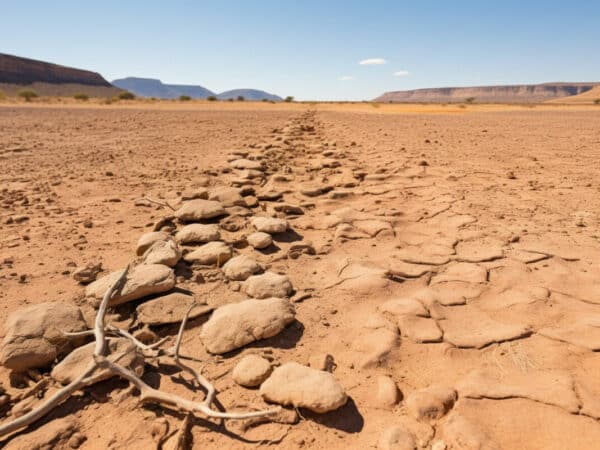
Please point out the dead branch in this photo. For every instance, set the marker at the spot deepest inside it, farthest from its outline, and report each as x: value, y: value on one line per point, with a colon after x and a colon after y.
x: 163, y: 204
x: 147, y: 393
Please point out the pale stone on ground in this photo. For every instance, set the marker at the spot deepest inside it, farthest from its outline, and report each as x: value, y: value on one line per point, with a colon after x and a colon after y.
x: 396, y: 438
x: 121, y: 351
x: 401, y: 306
x: 170, y: 308
x: 142, y: 280
x: 584, y: 333
x: 228, y: 196
x: 251, y: 371
x: 259, y: 240
x: 198, y: 233
x: 239, y: 268
x: 371, y: 227
x: 296, y: 385
x: 462, y: 434
x: 246, y: 164
x: 269, y: 225
x: 431, y: 403
x: 56, y: 434
x: 88, y: 273
x: 198, y: 210
x: 216, y: 252
x: 268, y: 284
x: 34, y: 335
x: 386, y: 393
x: 465, y: 272
x: 147, y: 239
x: 163, y: 252
x: 235, y: 325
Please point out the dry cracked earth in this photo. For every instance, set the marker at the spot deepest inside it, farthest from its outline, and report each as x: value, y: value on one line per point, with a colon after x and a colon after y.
x: 394, y: 281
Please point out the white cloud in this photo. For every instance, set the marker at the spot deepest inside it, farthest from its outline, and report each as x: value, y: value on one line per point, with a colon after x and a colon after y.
x: 401, y: 73
x: 346, y: 78
x: 373, y: 62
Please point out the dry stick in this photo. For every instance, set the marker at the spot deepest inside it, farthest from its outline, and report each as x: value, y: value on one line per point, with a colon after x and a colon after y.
x: 165, y: 204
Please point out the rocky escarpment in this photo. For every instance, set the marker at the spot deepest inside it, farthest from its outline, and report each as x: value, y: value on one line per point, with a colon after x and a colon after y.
x: 523, y: 93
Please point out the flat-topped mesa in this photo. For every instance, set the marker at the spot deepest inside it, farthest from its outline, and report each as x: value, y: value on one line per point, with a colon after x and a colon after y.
x: 521, y: 93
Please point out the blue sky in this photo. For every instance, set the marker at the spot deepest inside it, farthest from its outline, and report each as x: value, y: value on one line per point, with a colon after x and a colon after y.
x: 313, y: 49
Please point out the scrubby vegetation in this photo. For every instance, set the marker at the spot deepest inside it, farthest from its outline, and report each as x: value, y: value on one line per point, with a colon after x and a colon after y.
x: 126, y: 96
x: 184, y: 98
x: 81, y: 96
x: 211, y: 98
x: 240, y: 98
x: 27, y: 94
x: 289, y: 99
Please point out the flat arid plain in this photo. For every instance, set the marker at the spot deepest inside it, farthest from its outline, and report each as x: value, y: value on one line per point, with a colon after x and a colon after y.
x: 420, y: 276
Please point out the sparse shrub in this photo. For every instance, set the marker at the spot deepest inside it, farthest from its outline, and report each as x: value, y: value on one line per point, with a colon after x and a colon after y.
x: 470, y: 100
x: 108, y: 101
x: 1, y: 95
x: 597, y: 101
x: 126, y: 96
x: 240, y: 98
x: 265, y: 100
x: 229, y: 99
x: 81, y: 96
x: 211, y: 98
x: 185, y: 98
x: 462, y: 106
x: 289, y: 99
x: 375, y: 104
x: 27, y: 94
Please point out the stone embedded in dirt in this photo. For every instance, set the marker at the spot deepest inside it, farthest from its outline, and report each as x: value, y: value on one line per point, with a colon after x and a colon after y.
x: 387, y: 393
x: 396, y: 438
x: 402, y: 306
x: 550, y: 387
x: 259, y: 240
x: 228, y: 196
x: 460, y: 433
x: 406, y: 270
x: 215, y: 252
x: 251, y: 371
x: 246, y: 164
x: 170, y: 308
x: 465, y: 272
x: 198, y: 233
x: 163, y: 252
x: 419, y: 329
x: 374, y: 342
x: 142, y: 281
x: 418, y: 255
x: 478, y: 251
x: 431, y: 403
x: 290, y: 210
x: 268, y: 284
x: 584, y: 333
x: 241, y: 267
x: 198, y: 210
x: 300, y: 248
x: 302, y: 387
x: 235, y: 325
x: 453, y: 293
x: 88, y: 273
x: 269, y: 225
x: 147, y: 239
x: 56, y: 434
x: 193, y: 194
x: 121, y: 351
x: 474, y: 329
x: 34, y: 335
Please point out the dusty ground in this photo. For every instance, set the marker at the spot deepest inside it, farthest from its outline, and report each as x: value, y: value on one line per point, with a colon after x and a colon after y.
x: 493, y: 212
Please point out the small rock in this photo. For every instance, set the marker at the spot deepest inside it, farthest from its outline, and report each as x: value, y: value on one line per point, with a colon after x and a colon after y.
x: 396, y: 438
x: 198, y: 233
x: 431, y: 403
x: 163, y: 252
x: 387, y: 392
x: 251, y: 371
x: 142, y: 280
x: 268, y: 284
x: 259, y: 240
x: 300, y: 386
x: 147, y: 239
x: 216, y: 252
x: 170, y: 308
x: 246, y: 164
x: 198, y: 210
x: 88, y: 273
x: 269, y: 225
x: 241, y: 267
x: 34, y: 335
x: 235, y: 325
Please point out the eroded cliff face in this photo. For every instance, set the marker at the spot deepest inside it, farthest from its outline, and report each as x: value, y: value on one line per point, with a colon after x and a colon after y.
x: 490, y: 94
x: 24, y: 71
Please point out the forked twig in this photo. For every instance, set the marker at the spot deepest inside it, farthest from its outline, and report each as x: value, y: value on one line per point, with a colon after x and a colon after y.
x: 165, y: 204
x: 148, y: 394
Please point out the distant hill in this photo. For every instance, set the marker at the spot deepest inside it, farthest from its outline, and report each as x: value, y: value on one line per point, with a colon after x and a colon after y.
x: 522, y: 93
x: 45, y: 78
x: 590, y: 96
x: 248, y: 94
x: 149, y: 87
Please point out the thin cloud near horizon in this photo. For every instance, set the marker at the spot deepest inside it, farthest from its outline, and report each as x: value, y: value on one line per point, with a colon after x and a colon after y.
x: 372, y: 62
x: 401, y: 73
x: 346, y: 78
